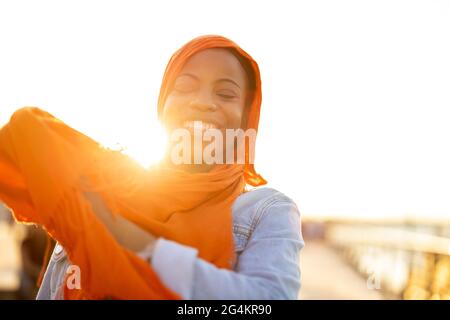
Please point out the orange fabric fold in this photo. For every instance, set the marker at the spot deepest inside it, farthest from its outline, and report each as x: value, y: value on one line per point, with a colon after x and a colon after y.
x: 44, y: 167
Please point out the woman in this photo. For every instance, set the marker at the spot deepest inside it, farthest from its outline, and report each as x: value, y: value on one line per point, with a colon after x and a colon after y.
x: 185, y: 230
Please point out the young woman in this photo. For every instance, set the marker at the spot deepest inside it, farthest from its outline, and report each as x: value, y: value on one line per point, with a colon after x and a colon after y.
x: 191, y: 230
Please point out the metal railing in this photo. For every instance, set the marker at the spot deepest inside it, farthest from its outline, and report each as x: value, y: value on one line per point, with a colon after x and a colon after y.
x: 406, y: 261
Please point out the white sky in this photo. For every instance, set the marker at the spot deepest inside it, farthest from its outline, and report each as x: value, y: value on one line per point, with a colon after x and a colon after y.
x: 356, y: 93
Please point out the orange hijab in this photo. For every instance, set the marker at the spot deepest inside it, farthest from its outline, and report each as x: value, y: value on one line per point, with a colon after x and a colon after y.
x: 44, y: 166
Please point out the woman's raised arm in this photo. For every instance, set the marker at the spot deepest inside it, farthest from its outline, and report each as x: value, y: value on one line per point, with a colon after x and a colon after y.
x: 124, y: 231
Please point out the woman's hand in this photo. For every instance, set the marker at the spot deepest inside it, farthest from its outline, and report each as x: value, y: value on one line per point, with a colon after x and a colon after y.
x: 124, y: 231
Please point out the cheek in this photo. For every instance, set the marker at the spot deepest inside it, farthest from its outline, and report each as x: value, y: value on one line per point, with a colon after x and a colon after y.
x: 234, y: 115
x: 171, y: 109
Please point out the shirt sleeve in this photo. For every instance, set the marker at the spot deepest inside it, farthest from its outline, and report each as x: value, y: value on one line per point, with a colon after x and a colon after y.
x: 268, y: 268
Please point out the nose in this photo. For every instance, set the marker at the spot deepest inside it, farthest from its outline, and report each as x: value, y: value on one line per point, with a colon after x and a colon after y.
x: 203, y: 106
x: 203, y: 103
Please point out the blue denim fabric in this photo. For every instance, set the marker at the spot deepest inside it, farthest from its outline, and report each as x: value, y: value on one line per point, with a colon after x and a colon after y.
x: 268, y: 241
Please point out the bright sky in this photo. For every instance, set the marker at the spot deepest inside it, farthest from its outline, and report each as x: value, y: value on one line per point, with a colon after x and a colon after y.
x: 356, y: 111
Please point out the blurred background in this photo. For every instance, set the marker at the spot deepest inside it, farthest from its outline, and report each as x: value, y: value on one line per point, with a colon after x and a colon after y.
x: 354, y: 123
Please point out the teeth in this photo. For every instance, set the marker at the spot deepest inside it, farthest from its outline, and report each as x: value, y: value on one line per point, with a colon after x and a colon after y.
x: 197, y: 124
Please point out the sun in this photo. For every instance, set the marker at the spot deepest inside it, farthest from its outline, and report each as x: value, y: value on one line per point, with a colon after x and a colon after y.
x: 145, y: 144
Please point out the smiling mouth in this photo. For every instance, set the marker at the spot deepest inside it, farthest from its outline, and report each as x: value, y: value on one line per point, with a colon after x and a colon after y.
x: 199, y: 125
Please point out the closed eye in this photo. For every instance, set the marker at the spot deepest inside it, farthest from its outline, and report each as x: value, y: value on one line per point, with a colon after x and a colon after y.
x: 227, y: 94
x: 185, y: 83
x: 184, y: 87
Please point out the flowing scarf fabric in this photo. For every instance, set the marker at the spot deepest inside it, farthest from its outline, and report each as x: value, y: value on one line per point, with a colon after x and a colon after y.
x: 47, y: 166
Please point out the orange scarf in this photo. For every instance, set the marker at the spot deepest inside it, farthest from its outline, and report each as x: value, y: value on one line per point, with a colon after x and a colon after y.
x: 44, y: 165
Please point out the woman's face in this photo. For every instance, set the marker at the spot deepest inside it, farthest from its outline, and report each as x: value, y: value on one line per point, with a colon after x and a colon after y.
x: 212, y: 88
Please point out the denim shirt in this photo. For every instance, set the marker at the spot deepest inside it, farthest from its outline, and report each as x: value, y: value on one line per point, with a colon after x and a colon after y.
x: 268, y: 241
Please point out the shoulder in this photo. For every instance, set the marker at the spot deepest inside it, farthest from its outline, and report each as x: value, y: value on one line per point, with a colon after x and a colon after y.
x: 265, y: 210
x: 266, y: 222
x: 260, y: 200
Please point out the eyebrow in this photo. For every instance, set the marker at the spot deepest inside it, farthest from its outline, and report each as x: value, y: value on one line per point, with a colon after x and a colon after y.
x: 218, y: 80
